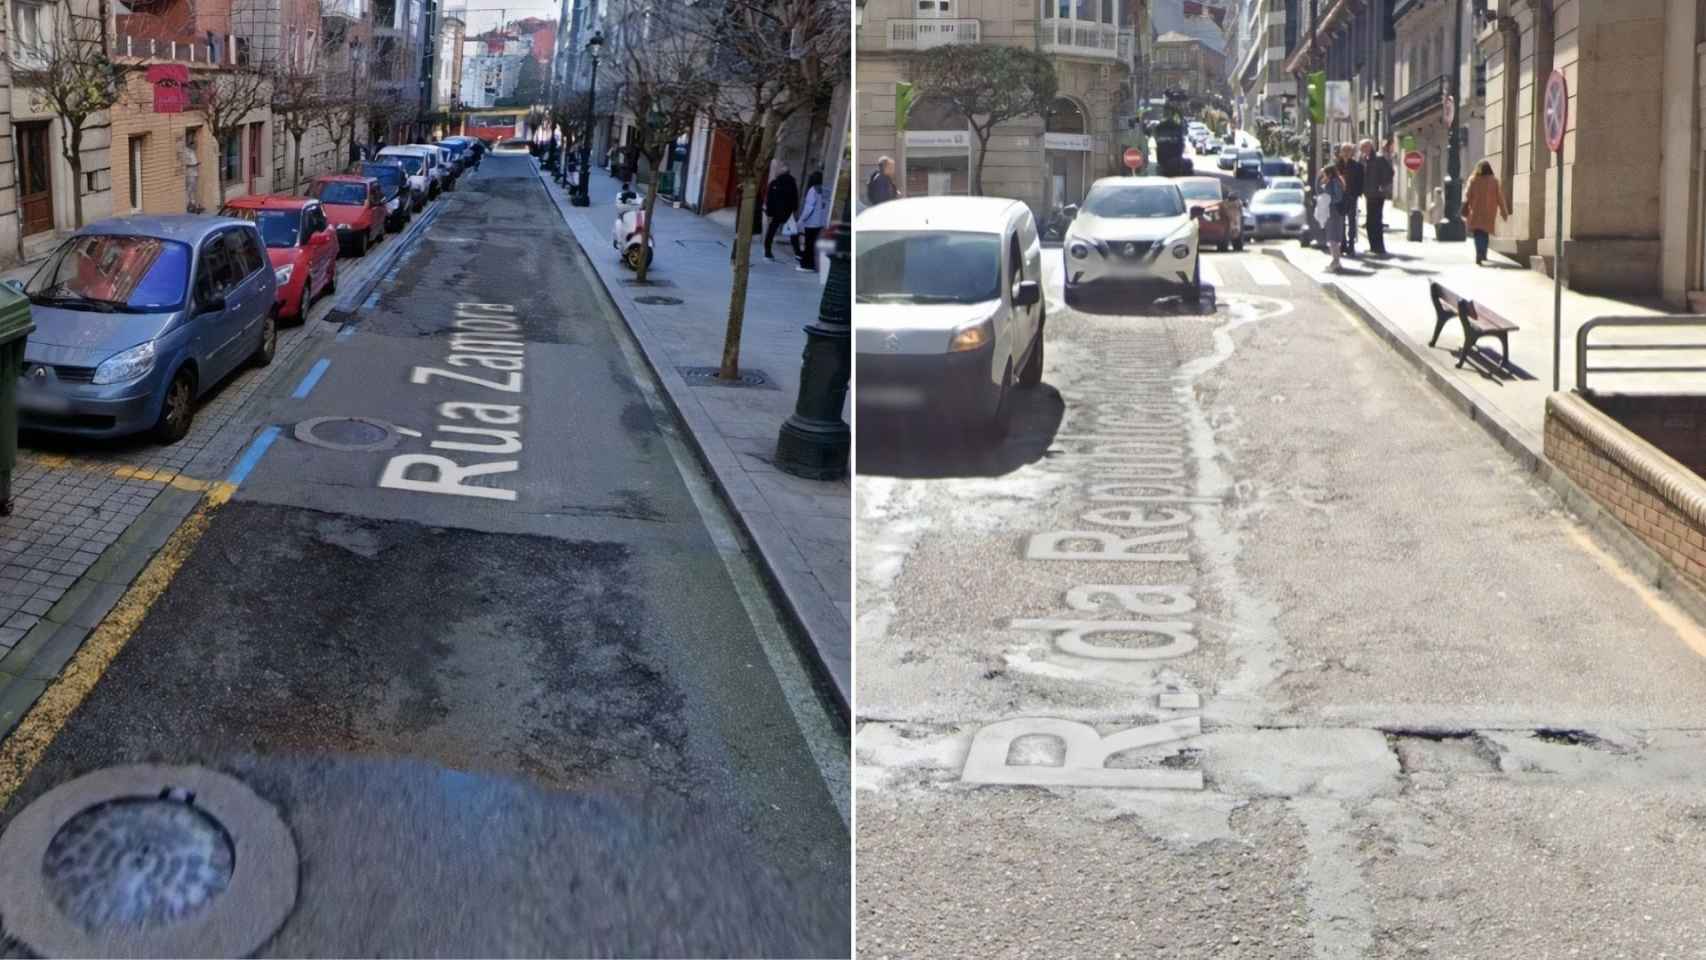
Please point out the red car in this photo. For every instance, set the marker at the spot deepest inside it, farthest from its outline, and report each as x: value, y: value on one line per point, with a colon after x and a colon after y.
x: 356, y: 207
x: 1222, y: 222
x: 301, y: 243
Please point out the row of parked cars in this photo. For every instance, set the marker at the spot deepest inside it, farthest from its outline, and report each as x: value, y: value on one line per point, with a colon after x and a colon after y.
x: 137, y: 317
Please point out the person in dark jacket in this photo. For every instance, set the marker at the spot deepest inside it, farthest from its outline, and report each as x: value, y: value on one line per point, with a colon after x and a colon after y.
x: 780, y: 202
x: 1377, y: 187
x: 1351, y: 171
x: 881, y: 189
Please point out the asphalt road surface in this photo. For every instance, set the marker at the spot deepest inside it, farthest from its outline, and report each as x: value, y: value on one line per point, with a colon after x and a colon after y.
x: 1244, y: 645
x: 480, y: 637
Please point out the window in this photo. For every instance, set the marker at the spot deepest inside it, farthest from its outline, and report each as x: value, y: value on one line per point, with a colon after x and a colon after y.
x: 137, y: 152
x: 29, y: 29
x: 217, y: 275
x: 136, y: 272
x: 231, y: 158
x: 927, y: 266
x: 936, y: 8
x: 248, y: 252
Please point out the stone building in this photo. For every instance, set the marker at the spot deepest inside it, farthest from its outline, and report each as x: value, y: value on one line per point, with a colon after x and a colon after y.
x: 1259, y: 80
x: 1043, y: 161
x: 1422, y: 68
x: 1632, y: 161
x: 1183, y: 62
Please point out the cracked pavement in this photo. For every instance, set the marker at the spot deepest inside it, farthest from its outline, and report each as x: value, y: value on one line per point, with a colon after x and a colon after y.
x: 1437, y: 719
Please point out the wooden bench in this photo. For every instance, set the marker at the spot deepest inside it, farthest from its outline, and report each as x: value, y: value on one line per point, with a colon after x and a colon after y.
x: 1478, y: 321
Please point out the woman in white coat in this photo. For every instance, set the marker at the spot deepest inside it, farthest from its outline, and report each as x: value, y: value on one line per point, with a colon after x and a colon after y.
x: 814, y: 216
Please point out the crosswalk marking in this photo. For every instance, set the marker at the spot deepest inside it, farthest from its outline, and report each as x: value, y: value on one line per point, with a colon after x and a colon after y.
x: 1210, y: 275
x: 1265, y: 273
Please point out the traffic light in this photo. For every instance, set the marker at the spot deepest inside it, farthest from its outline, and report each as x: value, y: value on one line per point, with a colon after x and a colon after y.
x: 1318, y: 96
x: 1481, y: 80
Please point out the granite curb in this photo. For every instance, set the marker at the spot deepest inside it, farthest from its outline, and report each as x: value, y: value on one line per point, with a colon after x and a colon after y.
x: 811, y: 610
x: 1527, y: 450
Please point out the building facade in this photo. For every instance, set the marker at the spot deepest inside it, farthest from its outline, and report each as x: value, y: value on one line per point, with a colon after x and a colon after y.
x: 447, y: 81
x: 1258, y: 77
x: 1185, y: 63
x: 1422, y: 73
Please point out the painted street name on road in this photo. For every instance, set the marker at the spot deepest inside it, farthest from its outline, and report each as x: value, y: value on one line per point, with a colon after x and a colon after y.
x: 485, y: 338
x: 1133, y: 443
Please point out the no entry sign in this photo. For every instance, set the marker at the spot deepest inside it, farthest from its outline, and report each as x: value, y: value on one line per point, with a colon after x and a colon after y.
x: 1133, y: 157
x: 1557, y: 110
x: 1413, y: 161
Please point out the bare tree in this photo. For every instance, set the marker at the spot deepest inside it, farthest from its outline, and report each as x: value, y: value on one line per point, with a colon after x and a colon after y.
x: 64, y: 66
x: 664, y: 84
x: 334, y: 116
x: 296, y: 101
x: 226, y: 98
x: 769, y: 60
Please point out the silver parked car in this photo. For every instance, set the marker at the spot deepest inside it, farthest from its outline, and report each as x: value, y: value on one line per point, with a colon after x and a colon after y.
x: 136, y: 317
x: 1274, y: 213
x: 1133, y: 231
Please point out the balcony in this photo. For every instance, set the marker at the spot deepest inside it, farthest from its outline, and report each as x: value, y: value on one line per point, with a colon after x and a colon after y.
x: 924, y: 34
x: 1075, y: 38
x: 1419, y: 102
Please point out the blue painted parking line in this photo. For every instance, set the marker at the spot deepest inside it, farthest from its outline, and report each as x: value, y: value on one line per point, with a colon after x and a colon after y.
x: 313, y: 377
x: 346, y: 332
x: 257, y: 449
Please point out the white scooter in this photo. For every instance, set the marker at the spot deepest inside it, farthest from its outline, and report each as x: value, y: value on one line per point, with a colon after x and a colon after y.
x: 625, y: 234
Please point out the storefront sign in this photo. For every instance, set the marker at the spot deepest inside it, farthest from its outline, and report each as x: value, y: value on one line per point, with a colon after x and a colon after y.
x: 938, y: 138
x: 171, y: 83
x: 1066, y: 141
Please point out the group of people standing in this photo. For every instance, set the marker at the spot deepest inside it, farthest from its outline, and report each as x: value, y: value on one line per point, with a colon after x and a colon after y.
x: 801, y: 221
x: 1357, y: 172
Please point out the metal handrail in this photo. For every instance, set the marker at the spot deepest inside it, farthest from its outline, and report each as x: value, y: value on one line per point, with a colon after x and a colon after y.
x: 1582, y: 345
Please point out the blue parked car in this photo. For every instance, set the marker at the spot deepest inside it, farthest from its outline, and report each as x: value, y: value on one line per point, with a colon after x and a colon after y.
x: 459, y: 152
x: 137, y: 317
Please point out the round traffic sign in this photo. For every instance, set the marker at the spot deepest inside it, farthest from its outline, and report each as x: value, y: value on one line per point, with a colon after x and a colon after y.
x: 1450, y: 109
x: 1133, y: 157
x: 1413, y: 161
x: 1557, y: 111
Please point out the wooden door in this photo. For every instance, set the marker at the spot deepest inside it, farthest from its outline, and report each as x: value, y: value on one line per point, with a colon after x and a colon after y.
x: 719, y: 171
x: 35, y: 177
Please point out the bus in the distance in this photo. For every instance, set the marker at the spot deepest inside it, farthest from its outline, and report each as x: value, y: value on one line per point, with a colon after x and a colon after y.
x: 494, y: 127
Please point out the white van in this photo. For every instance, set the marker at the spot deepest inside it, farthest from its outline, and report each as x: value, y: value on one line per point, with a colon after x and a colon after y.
x: 949, y: 313
x: 432, y: 166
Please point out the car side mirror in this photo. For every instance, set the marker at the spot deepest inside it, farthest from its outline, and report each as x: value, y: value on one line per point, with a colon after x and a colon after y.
x: 211, y: 305
x: 1028, y: 294
x: 16, y: 286
x: 1196, y: 213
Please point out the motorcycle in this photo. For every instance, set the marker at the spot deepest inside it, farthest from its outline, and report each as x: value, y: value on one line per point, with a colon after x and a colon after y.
x: 1059, y: 221
x: 626, y: 232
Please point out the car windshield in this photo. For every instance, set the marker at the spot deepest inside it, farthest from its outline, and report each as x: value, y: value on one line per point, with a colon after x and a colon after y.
x: 1279, y: 198
x: 279, y: 228
x: 927, y: 267
x: 1201, y: 190
x: 113, y: 273
x: 1251, y: 157
x: 1276, y: 166
x: 410, y: 162
x: 388, y: 176
x: 340, y: 191
x: 1143, y: 202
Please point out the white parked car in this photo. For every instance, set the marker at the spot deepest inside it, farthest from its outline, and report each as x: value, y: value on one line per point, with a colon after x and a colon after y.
x: 1133, y: 231
x: 444, y: 164
x: 950, y: 312
x: 422, y: 164
x: 1275, y: 213
x: 1285, y: 183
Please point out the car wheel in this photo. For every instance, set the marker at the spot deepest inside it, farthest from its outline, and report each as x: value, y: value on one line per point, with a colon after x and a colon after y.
x: 331, y: 281
x: 1193, y: 290
x: 360, y: 247
x: 269, y: 340
x: 1032, y: 374
x: 631, y: 257
x: 177, y: 410
x: 1002, y: 419
x: 1221, y: 246
x: 1070, y: 298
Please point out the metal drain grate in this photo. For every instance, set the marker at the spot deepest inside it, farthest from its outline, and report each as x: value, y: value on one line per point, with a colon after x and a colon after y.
x: 136, y: 863
x: 658, y: 301
x: 348, y: 433
x: 707, y: 377
x: 649, y: 282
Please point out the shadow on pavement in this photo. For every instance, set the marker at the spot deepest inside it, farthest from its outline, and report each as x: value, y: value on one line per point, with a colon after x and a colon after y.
x: 1123, y: 303
x: 916, y: 448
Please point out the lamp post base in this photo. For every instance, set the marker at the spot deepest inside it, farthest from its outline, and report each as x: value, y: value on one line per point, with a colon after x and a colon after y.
x: 1450, y: 231
x: 578, y: 199
x: 813, y: 449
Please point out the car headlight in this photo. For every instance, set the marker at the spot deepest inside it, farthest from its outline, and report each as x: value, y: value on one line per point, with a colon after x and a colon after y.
x: 1181, y: 251
x: 973, y: 337
x: 1079, y: 250
x: 126, y: 366
x: 283, y: 273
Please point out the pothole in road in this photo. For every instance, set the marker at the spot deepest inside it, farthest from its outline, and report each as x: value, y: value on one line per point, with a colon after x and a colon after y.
x: 149, y: 862
x: 348, y: 433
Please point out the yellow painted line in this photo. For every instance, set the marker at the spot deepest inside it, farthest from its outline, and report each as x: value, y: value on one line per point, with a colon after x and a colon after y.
x: 23, y: 749
x: 122, y: 471
x: 1668, y: 613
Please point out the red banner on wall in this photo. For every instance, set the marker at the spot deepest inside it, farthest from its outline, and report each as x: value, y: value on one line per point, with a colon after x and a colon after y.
x: 171, y: 82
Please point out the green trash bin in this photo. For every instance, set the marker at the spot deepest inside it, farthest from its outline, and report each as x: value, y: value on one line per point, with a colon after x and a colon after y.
x: 15, y: 329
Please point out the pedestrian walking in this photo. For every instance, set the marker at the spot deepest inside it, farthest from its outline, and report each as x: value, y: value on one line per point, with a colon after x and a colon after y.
x: 1329, y: 207
x: 881, y: 189
x: 1377, y: 187
x: 1351, y: 172
x: 781, y: 201
x: 814, y: 216
x: 1484, y: 205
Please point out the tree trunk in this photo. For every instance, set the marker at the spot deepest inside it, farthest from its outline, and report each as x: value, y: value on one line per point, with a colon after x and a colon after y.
x: 71, y: 144
x: 982, y: 153
x: 295, y: 160
x: 646, y: 224
x: 743, y: 253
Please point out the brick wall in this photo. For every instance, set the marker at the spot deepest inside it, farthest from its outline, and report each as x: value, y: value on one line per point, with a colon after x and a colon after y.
x: 1661, y: 501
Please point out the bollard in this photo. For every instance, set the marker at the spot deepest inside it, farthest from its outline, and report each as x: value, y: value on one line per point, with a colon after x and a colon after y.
x: 814, y: 442
x: 1415, y: 226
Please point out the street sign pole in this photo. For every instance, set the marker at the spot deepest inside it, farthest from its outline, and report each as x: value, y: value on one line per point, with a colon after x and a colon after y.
x: 1557, y: 116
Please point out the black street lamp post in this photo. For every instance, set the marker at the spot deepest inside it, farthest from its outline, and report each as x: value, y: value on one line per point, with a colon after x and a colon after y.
x: 814, y: 442
x: 582, y: 198
x: 1451, y: 228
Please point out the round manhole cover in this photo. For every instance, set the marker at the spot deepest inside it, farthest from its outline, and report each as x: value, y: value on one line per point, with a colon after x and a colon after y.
x: 348, y: 433
x: 149, y: 862
x: 658, y: 301
x: 135, y: 863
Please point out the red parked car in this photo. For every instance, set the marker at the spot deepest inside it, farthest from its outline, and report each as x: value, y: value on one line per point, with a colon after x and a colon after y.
x: 301, y: 243
x: 356, y: 207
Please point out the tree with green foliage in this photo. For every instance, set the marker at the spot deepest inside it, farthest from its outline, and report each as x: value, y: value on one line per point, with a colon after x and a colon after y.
x: 989, y: 85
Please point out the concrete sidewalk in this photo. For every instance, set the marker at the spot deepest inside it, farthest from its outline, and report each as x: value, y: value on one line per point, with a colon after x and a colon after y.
x: 1395, y: 292
x: 801, y: 528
